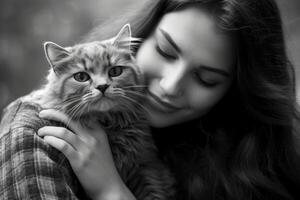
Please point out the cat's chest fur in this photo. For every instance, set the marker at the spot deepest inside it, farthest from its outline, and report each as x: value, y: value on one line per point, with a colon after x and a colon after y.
x: 128, y: 134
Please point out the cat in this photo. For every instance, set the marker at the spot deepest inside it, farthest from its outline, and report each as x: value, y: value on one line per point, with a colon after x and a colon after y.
x: 100, y: 80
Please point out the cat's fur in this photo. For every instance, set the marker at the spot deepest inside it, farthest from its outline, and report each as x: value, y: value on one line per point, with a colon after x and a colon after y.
x: 114, y: 100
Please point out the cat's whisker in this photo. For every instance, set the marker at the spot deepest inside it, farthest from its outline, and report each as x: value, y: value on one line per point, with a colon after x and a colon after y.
x: 135, y: 86
x: 73, y: 97
x: 138, y: 85
x: 119, y: 92
x: 139, y: 94
x: 80, y: 110
x: 136, y: 39
x: 64, y: 104
x: 85, y: 99
x: 129, y: 109
x: 70, y: 101
x: 87, y: 96
x: 74, y: 111
x: 129, y: 98
x: 135, y: 92
x: 88, y: 108
x: 135, y: 102
x: 131, y: 41
x: 67, y: 102
x: 132, y: 111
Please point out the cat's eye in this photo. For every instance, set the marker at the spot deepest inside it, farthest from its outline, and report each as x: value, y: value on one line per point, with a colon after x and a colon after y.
x: 115, y: 71
x: 81, y: 76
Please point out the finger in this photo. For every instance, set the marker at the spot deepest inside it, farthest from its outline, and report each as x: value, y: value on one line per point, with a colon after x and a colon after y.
x: 62, y: 133
x: 63, y: 147
x: 56, y: 115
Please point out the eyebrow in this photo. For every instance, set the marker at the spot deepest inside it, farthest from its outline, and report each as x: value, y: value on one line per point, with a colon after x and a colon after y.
x: 215, y: 70
x: 170, y: 40
x: 207, y: 68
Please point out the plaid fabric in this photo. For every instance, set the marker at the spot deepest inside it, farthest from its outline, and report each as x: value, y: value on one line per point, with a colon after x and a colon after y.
x: 30, y: 168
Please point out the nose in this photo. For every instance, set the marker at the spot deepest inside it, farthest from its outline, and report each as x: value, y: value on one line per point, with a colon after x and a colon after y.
x: 103, y: 87
x: 172, y: 81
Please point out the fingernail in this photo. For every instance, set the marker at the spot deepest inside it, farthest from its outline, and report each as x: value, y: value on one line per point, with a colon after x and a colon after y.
x: 42, y: 113
x: 39, y: 132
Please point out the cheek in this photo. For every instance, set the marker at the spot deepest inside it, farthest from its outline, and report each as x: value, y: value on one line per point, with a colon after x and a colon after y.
x: 202, y: 99
x: 147, y: 59
x: 73, y: 87
x: 126, y: 78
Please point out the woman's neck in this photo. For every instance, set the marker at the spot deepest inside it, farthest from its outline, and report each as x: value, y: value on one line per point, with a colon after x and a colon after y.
x: 188, y: 134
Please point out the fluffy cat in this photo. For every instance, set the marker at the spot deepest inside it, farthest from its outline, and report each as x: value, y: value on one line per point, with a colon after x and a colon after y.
x: 100, y: 80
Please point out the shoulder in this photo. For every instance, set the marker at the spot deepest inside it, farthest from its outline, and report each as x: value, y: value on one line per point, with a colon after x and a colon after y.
x: 18, y: 132
x: 18, y: 128
x: 28, y: 165
x: 20, y: 114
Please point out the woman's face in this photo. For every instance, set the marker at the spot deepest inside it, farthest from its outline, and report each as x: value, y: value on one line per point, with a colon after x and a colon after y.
x: 188, y: 66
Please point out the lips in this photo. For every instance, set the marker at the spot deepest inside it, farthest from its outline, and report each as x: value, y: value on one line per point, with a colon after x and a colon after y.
x: 161, y: 105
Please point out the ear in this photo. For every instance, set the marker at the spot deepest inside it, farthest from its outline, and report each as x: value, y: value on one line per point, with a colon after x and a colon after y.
x: 54, y: 53
x: 123, y: 38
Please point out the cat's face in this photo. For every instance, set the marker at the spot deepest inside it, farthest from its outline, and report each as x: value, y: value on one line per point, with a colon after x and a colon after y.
x: 96, y: 76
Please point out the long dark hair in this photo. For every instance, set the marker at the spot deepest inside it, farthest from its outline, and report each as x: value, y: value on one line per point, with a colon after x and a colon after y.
x: 249, y: 150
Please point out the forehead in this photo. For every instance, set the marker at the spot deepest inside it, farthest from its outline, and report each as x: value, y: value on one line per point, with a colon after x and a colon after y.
x: 95, y: 52
x: 92, y: 49
x: 197, y: 35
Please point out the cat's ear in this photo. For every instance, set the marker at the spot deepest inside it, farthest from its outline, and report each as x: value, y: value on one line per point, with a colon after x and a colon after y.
x: 55, y: 53
x: 123, y: 38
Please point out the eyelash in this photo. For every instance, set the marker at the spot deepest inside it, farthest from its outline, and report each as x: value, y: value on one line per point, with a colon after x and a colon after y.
x: 164, y: 54
x: 206, y: 84
x: 197, y: 76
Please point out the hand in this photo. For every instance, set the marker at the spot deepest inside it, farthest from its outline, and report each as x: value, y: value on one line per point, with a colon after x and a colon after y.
x: 89, y: 154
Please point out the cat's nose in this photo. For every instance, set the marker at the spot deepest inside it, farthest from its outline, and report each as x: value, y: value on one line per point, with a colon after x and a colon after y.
x: 102, y: 88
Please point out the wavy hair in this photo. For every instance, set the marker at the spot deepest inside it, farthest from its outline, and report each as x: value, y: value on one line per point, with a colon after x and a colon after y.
x: 250, y: 135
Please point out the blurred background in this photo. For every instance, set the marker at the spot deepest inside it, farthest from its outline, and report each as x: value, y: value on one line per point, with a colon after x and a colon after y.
x: 26, y: 24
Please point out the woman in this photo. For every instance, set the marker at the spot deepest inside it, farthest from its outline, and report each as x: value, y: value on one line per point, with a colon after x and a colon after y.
x: 221, y: 101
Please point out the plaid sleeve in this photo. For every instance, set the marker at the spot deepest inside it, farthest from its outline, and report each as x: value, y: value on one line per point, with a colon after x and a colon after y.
x: 31, y: 169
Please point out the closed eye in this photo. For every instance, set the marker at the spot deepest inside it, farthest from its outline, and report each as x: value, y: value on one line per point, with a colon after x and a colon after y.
x: 164, y: 54
x: 202, y: 81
